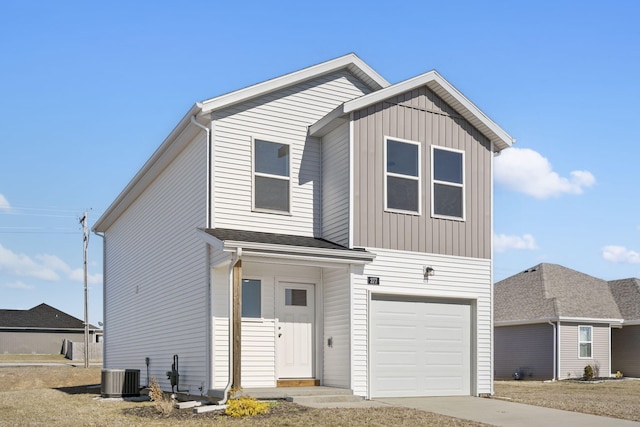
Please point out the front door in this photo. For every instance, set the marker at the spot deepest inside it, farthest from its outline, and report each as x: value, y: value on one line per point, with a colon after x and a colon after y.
x: 295, y: 329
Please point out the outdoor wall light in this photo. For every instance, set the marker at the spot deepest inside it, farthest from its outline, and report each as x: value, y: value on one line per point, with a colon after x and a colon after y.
x: 428, y: 272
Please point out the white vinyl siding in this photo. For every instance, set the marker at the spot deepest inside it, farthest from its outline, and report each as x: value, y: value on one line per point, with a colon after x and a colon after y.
x: 335, y: 187
x: 155, y: 300
x: 282, y: 116
x: 401, y: 272
x: 571, y: 365
x: 336, y: 328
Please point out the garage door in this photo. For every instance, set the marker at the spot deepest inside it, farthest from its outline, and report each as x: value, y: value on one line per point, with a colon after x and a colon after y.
x: 420, y: 347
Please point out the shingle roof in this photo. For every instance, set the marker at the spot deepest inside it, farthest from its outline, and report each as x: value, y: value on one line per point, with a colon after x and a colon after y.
x: 42, y: 316
x: 273, y: 239
x: 550, y: 291
x: 626, y: 292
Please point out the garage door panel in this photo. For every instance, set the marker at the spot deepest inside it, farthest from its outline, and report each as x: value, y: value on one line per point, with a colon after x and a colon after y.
x: 429, y: 357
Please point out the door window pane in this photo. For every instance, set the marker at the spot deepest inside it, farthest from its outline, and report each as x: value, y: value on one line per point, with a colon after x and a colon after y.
x: 295, y: 297
x: 251, y: 296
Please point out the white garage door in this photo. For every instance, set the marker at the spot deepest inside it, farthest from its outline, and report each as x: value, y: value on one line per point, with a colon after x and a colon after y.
x: 420, y: 347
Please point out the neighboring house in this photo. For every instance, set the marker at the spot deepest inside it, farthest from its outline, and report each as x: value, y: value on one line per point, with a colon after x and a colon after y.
x: 625, y: 342
x: 551, y: 321
x: 348, y: 220
x: 40, y: 330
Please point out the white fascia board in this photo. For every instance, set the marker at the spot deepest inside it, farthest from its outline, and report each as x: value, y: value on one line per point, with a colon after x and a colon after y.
x: 634, y: 322
x: 329, y: 122
x: 591, y: 320
x: 558, y: 319
x: 149, y: 171
x: 265, y: 249
x: 452, y: 96
x: 350, y: 61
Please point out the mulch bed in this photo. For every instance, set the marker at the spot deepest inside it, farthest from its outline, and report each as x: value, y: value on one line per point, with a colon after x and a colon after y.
x: 278, y: 408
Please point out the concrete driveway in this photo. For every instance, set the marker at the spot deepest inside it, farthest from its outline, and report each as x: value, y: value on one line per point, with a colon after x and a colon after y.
x: 503, y: 413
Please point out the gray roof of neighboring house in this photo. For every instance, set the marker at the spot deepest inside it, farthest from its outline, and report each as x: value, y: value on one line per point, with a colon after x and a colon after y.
x: 550, y: 291
x: 626, y: 292
x: 42, y: 316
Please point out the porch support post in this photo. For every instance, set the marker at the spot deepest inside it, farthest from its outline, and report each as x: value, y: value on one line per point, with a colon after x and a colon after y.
x: 237, y: 324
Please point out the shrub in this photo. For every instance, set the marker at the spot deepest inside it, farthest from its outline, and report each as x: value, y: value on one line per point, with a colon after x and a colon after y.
x: 618, y: 374
x: 163, y: 404
x: 588, y: 373
x: 245, y: 406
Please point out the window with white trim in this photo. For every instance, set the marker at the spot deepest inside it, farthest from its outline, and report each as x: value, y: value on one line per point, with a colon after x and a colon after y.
x: 447, y: 183
x: 585, y: 342
x: 403, y: 186
x: 271, y: 177
x: 251, y: 298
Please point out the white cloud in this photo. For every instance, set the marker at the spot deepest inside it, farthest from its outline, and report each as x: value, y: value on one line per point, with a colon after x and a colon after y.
x: 620, y: 254
x: 44, y: 267
x: 4, y: 204
x: 527, y: 171
x: 503, y: 242
x: 19, y: 285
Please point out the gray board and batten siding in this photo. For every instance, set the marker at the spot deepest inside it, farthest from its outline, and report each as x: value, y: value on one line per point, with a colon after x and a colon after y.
x: 421, y: 116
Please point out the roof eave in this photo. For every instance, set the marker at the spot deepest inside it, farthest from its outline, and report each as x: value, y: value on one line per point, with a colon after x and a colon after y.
x: 452, y: 96
x: 350, y: 61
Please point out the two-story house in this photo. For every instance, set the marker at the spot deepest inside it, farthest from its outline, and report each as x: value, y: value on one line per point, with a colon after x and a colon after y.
x: 322, y: 226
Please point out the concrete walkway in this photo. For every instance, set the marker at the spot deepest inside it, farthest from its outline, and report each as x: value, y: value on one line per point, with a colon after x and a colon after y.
x: 503, y: 413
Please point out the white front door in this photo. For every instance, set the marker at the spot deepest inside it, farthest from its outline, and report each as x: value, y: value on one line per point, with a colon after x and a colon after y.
x: 295, y: 329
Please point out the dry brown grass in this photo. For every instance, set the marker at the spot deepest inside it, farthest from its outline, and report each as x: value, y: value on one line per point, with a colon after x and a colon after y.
x: 617, y: 399
x: 62, y: 395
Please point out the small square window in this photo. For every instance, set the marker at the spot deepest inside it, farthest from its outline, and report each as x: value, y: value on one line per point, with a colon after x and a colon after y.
x: 295, y: 297
x: 251, y: 298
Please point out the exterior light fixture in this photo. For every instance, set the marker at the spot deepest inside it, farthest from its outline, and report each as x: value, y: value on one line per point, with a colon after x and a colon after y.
x: 428, y: 272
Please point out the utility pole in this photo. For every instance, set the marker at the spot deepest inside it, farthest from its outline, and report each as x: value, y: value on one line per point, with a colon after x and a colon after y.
x: 85, y: 233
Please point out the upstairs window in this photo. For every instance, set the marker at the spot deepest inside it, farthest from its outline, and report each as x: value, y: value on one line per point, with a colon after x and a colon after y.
x: 271, y: 176
x: 585, y: 342
x: 447, y: 183
x: 402, y: 176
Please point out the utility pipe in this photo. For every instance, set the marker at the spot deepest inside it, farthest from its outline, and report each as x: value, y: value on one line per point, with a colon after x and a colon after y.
x: 234, y: 260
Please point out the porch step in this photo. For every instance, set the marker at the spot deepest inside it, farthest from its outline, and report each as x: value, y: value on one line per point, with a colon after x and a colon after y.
x: 298, y: 383
x: 325, y: 398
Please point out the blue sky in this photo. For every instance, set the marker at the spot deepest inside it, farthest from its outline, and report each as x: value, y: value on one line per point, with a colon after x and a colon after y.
x: 89, y: 90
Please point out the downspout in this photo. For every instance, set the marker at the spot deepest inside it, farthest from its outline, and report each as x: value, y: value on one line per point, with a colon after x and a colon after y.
x: 234, y: 260
x: 208, y: 201
x: 555, y: 350
x: 208, y: 252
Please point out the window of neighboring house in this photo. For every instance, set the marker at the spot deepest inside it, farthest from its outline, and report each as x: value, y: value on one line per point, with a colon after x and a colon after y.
x: 251, y: 298
x: 447, y: 180
x: 402, y: 176
x: 585, y: 341
x: 271, y: 177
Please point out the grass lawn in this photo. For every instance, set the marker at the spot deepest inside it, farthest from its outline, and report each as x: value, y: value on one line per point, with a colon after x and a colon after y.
x: 63, y: 395
x: 616, y: 398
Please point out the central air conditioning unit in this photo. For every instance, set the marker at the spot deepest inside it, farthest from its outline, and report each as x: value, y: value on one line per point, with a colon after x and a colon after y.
x: 120, y: 382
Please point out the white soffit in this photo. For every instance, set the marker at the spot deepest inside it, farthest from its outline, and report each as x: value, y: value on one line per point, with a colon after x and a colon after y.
x: 452, y: 96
